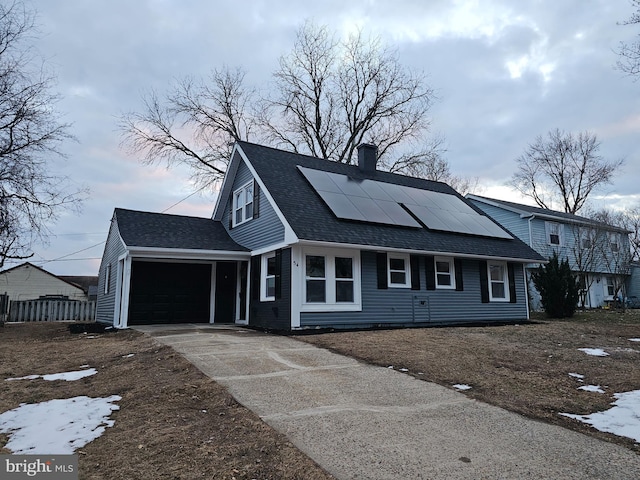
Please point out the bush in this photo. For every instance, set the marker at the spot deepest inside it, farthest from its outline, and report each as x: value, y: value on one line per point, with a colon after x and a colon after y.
x: 558, y: 288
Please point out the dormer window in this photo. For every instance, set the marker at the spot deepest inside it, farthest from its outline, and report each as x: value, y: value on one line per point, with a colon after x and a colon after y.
x: 555, y: 233
x: 243, y: 204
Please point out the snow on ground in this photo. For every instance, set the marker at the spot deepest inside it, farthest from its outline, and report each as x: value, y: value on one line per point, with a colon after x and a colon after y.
x: 68, y: 376
x: 634, y: 339
x: 57, y: 427
x: 622, y: 419
x: 591, y: 388
x: 577, y: 375
x: 461, y: 386
x: 128, y: 356
x: 596, y: 352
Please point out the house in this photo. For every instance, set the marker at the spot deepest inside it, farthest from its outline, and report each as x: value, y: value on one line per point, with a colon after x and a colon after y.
x: 296, y: 242
x: 598, y: 253
x: 29, y: 282
x: 88, y: 283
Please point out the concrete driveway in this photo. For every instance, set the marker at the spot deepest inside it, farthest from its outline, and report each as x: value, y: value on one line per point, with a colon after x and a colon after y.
x: 364, y: 422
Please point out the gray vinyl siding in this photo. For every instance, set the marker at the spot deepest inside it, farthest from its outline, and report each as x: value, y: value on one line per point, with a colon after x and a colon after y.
x: 633, y: 284
x: 259, y: 232
x: 403, y: 306
x: 112, y: 250
x: 275, y: 314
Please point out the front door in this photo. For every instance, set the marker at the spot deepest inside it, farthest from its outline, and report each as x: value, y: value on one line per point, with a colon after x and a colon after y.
x: 225, y: 292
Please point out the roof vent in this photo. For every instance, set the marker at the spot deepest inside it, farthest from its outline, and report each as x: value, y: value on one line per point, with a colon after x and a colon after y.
x: 367, y: 157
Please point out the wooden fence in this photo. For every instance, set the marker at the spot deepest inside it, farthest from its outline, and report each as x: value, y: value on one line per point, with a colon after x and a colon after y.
x: 52, y: 311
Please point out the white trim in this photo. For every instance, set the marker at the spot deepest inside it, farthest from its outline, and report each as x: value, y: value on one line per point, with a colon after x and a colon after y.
x: 289, y: 235
x: 238, y: 320
x: 296, y: 285
x: 505, y: 281
x: 378, y: 248
x: 264, y: 263
x: 118, y: 293
x: 452, y: 272
x: 187, y: 254
x: 243, y: 190
x: 126, y: 287
x: 231, y: 169
x: 330, y: 304
x: 270, y: 248
x: 407, y: 270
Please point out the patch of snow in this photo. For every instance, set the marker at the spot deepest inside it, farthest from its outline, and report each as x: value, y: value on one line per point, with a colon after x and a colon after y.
x: 623, y: 419
x: 577, y: 375
x: 128, y: 356
x: 596, y: 352
x: 404, y: 369
x: 57, y: 427
x: 461, y: 386
x: 68, y: 376
x: 390, y: 366
x: 84, y: 366
x: 591, y: 388
x: 634, y: 339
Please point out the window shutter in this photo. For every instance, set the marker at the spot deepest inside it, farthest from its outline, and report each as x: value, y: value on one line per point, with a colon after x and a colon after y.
x: 278, y: 274
x: 414, y: 261
x: 484, y: 282
x: 457, y: 264
x: 381, y: 268
x: 431, y: 273
x: 512, y: 282
x: 256, y: 201
x: 255, y: 277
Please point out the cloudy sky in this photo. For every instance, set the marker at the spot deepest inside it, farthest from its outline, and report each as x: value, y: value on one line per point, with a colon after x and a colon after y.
x: 504, y: 72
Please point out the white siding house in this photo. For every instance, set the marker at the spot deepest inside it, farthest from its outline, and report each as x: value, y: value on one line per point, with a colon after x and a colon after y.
x: 28, y: 282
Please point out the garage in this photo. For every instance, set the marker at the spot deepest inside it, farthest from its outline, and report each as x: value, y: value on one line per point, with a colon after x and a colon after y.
x: 164, y: 292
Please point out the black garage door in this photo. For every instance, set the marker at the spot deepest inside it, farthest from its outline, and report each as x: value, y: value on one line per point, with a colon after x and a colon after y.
x: 169, y: 293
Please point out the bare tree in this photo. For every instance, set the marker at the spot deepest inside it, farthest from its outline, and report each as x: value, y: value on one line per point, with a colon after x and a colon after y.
x: 563, y: 168
x: 331, y: 95
x: 629, y: 53
x: 30, y: 134
x: 196, y: 124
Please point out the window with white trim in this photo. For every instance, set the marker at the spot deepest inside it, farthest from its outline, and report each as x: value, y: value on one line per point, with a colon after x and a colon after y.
x: 243, y: 204
x: 498, y: 281
x: 398, y: 273
x: 610, y: 286
x: 445, y: 276
x: 107, y: 278
x: 331, y: 280
x: 268, y: 274
x: 586, y: 239
x: 555, y: 233
x: 614, y: 242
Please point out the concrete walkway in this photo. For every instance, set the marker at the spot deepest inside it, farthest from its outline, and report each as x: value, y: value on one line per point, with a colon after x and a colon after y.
x: 363, y: 422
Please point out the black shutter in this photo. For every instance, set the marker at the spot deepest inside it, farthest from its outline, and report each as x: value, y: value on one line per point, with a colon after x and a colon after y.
x: 255, y: 277
x: 414, y: 261
x: 431, y: 272
x: 278, y: 274
x: 484, y: 281
x: 381, y: 267
x: 457, y: 264
x: 512, y: 283
x: 256, y: 200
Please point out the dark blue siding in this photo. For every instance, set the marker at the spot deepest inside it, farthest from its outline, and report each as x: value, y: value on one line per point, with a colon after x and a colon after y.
x: 395, y: 306
x: 274, y: 314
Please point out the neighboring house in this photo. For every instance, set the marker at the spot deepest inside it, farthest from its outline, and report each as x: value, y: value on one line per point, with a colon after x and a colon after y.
x: 29, y: 282
x: 598, y: 253
x: 296, y: 242
x: 633, y: 285
x: 88, y: 283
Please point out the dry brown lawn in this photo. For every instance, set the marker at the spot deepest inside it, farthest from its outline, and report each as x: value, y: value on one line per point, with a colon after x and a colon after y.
x: 522, y: 368
x: 173, y: 422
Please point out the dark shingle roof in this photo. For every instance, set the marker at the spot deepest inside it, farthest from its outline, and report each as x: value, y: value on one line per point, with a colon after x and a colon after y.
x: 545, y: 212
x: 311, y: 219
x: 159, y: 230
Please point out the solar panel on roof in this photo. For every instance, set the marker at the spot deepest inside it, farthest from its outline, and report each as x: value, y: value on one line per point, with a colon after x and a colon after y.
x: 380, y: 202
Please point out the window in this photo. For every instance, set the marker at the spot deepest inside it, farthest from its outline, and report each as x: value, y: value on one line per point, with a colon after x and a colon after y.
x: 398, y: 271
x: 107, y: 278
x: 586, y: 239
x: 316, y: 282
x: 555, y: 233
x: 331, y: 280
x: 268, y: 284
x: 243, y: 204
x: 611, y: 287
x: 344, y: 279
x: 445, y: 277
x: 614, y: 242
x: 498, y: 278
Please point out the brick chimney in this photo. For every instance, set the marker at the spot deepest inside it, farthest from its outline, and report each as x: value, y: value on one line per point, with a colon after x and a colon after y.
x: 367, y: 157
